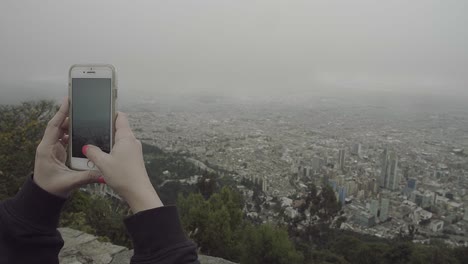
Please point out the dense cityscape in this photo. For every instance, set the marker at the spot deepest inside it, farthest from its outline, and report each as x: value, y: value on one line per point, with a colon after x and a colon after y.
x: 395, y: 167
x: 266, y: 132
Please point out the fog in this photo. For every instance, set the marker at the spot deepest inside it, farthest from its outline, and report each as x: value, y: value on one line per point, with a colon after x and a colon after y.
x: 237, y: 48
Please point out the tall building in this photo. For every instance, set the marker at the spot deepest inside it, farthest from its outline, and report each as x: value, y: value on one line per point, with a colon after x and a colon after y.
x: 264, y: 185
x: 317, y: 163
x: 364, y: 219
x: 333, y: 184
x: 411, y: 184
x: 374, y: 207
x: 342, y: 192
x: 384, y: 206
x: 383, y: 171
x: 393, y: 176
x: 341, y: 159
x: 357, y: 148
x: 389, y: 177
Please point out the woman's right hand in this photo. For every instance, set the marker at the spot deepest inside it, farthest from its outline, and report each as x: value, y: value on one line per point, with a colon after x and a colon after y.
x: 124, y: 169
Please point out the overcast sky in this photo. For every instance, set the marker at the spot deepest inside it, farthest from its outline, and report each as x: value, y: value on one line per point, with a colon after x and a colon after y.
x: 238, y: 47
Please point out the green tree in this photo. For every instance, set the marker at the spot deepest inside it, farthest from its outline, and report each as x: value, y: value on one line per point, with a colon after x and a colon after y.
x: 96, y: 215
x: 399, y: 254
x: 217, y: 238
x: 215, y: 224
x: 310, y: 201
x: 371, y: 253
x: 327, y: 205
x: 325, y: 257
x: 207, y: 184
x: 348, y: 247
x: 437, y: 254
x: 193, y: 211
x: 269, y: 245
x: 21, y: 129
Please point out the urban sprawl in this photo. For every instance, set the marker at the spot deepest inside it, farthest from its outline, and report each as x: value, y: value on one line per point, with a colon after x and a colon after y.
x: 391, y: 167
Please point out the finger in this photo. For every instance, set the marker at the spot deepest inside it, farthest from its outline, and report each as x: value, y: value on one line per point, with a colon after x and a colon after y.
x: 81, y: 178
x: 97, y: 156
x: 101, y: 180
x: 53, y: 130
x: 64, y: 140
x: 65, y: 123
x: 122, y: 127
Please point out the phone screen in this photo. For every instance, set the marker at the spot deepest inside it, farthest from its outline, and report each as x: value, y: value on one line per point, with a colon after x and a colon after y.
x: 91, y: 114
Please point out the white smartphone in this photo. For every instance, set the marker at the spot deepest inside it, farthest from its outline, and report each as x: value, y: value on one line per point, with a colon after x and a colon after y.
x: 93, y: 94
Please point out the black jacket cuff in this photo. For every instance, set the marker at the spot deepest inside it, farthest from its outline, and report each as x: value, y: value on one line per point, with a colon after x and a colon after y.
x: 154, y: 229
x: 36, y: 206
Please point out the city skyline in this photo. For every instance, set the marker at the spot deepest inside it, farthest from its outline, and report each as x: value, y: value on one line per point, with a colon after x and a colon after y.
x: 362, y: 102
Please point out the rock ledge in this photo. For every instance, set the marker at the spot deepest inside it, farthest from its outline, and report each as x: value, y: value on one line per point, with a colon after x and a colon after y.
x: 82, y: 248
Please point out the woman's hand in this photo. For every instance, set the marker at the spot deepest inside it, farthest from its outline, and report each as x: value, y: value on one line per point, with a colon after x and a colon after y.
x: 50, y: 171
x: 124, y: 169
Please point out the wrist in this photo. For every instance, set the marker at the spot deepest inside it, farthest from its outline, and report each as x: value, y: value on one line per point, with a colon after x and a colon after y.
x: 46, y: 187
x: 143, y: 200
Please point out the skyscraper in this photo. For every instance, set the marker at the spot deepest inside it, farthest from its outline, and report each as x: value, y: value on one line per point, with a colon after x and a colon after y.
x: 393, y: 176
x: 384, y: 206
x: 384, y: 169
x: 410, y: 187
x: 342, y: 192
x: 374, y: 207
x: 357, y: 149
x: 389, y: 177
x: 264, y: 185
x: 341, y: 159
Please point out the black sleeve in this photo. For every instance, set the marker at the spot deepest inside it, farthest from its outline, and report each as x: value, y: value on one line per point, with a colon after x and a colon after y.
x: 158, y: 237
x: 28, y: 226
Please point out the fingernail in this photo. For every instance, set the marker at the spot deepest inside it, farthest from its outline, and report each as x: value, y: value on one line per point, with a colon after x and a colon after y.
x: 84, y: 149
x: 101, y: 180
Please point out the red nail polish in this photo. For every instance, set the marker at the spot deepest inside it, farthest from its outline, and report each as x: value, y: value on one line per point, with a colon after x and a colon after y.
x: 84, y: 149
x: 101, y: 180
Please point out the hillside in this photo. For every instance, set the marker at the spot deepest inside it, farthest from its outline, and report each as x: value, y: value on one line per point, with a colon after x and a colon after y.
x: 212, y: 212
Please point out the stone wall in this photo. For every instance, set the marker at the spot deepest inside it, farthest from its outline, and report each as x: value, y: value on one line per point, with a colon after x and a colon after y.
x: 82, y: 248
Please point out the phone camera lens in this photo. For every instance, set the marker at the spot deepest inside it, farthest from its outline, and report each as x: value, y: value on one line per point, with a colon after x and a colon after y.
x: 83, y: 72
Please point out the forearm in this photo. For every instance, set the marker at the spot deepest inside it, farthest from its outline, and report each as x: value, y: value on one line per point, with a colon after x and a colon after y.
x: 144, y: 199
x: 28, y: 226
x: 158, y: 237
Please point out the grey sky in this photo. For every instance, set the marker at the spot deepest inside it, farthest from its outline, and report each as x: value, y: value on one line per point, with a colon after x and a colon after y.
x: 238, y: 47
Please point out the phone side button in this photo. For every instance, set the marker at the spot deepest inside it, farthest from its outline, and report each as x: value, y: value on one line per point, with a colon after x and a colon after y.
x: 90, y: 164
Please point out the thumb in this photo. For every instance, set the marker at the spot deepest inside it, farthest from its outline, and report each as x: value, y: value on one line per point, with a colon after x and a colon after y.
x: 96, y: 155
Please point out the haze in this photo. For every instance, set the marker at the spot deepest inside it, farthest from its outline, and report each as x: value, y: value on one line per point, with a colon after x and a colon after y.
x: 237, y: 48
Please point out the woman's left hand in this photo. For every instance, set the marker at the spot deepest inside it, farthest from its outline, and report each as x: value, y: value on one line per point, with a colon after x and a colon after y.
x: 50, y: 171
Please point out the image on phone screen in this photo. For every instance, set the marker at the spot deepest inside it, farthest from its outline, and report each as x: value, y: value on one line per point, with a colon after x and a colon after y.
x: 91, y: 114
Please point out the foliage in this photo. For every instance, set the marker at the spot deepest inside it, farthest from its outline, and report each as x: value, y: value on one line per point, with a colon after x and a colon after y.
x: 269, y: 245
x: 214, y: 223
x: 218, y: 227
x: 21, y: 129
x: 326, y: 204
x: 96, y: 215
x: 158, y: 161
x: 207, y: 185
